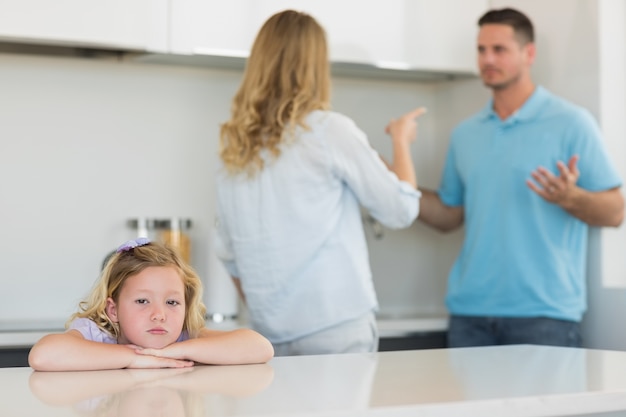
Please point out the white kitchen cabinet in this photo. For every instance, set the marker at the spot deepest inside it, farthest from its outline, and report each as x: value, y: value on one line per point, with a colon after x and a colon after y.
x: 123, y: 24
x: 441, y: 34
x: 396, y: 34
x: 358, y: 31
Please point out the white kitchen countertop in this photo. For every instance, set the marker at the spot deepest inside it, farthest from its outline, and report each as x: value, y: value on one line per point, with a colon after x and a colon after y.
x: 503, y: 381
x: 16, y: 334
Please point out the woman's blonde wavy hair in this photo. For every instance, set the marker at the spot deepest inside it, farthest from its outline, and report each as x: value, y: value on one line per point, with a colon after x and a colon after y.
x: 287, y: 76
x: 123, y: 265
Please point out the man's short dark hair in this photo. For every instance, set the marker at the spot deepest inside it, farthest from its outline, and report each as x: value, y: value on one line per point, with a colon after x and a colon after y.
x: 521, y: 24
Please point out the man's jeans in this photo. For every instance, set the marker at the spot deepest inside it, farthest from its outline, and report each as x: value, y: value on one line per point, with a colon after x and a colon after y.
x: 486, y: 331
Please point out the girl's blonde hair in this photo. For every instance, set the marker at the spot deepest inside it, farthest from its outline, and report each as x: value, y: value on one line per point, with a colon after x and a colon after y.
x: 287, y: 76
x: 125, y: 264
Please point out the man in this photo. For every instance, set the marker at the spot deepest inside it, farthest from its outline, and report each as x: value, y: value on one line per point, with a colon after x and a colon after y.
x: 528, y: 175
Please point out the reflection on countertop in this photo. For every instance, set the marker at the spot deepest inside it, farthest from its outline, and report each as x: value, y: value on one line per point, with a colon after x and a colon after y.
x: 138, y: 392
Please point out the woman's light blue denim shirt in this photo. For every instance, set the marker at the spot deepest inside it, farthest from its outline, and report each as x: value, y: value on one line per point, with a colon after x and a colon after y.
x: 293, y: 232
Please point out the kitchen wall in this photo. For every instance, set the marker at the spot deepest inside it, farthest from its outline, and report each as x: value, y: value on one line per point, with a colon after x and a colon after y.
x: 581, y: 56
x: 87, y: 144
x: 607, y: 269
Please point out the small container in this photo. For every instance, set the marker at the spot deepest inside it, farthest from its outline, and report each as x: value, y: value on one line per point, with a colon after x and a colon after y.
x: 144, y: 226
x: 171, y: 232
x: 220, y: 296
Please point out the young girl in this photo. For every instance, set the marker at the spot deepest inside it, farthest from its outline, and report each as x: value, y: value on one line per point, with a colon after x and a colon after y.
x: 146, y: 311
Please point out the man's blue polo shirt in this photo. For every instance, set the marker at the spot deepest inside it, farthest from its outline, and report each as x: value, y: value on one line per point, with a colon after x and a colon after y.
x: 522, y: 256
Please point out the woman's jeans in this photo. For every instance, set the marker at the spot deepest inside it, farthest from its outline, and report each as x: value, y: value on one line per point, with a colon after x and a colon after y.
x: 353, y: 336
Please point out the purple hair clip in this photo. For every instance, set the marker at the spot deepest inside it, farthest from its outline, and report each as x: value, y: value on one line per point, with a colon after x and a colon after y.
x: 132, y: 244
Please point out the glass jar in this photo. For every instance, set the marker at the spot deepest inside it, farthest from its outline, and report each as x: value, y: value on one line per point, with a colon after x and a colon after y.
x: 171, y: 232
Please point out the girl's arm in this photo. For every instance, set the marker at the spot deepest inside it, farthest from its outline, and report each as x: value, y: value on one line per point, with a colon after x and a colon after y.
x: 70, y: 351
x: 218, y: 347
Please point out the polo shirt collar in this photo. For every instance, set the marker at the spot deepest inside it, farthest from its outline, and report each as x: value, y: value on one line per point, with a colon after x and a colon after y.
x: 528, y: 111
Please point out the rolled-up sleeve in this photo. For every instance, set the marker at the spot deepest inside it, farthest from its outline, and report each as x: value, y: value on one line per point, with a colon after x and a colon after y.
x: 394, y: 203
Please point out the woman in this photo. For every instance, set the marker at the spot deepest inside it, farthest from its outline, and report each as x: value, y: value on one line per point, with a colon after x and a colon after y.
x: 293, y: 177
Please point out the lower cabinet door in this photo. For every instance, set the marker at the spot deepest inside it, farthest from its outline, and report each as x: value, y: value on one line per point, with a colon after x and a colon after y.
x: 13, y: 357
x: 426, y: 340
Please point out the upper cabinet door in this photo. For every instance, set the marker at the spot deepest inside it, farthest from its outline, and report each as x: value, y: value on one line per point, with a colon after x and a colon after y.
x: 212, y: 27
x: 357, y: 31
x: 391, y: 33
x: 128, y: 24
x: 443, y: 33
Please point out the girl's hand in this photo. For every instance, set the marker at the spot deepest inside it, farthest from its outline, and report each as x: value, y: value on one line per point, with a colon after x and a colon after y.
x: 172, y: 351
x: 144, y: 360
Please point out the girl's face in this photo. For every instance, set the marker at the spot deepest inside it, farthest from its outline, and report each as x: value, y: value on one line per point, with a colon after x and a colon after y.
x: 151, y: 308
